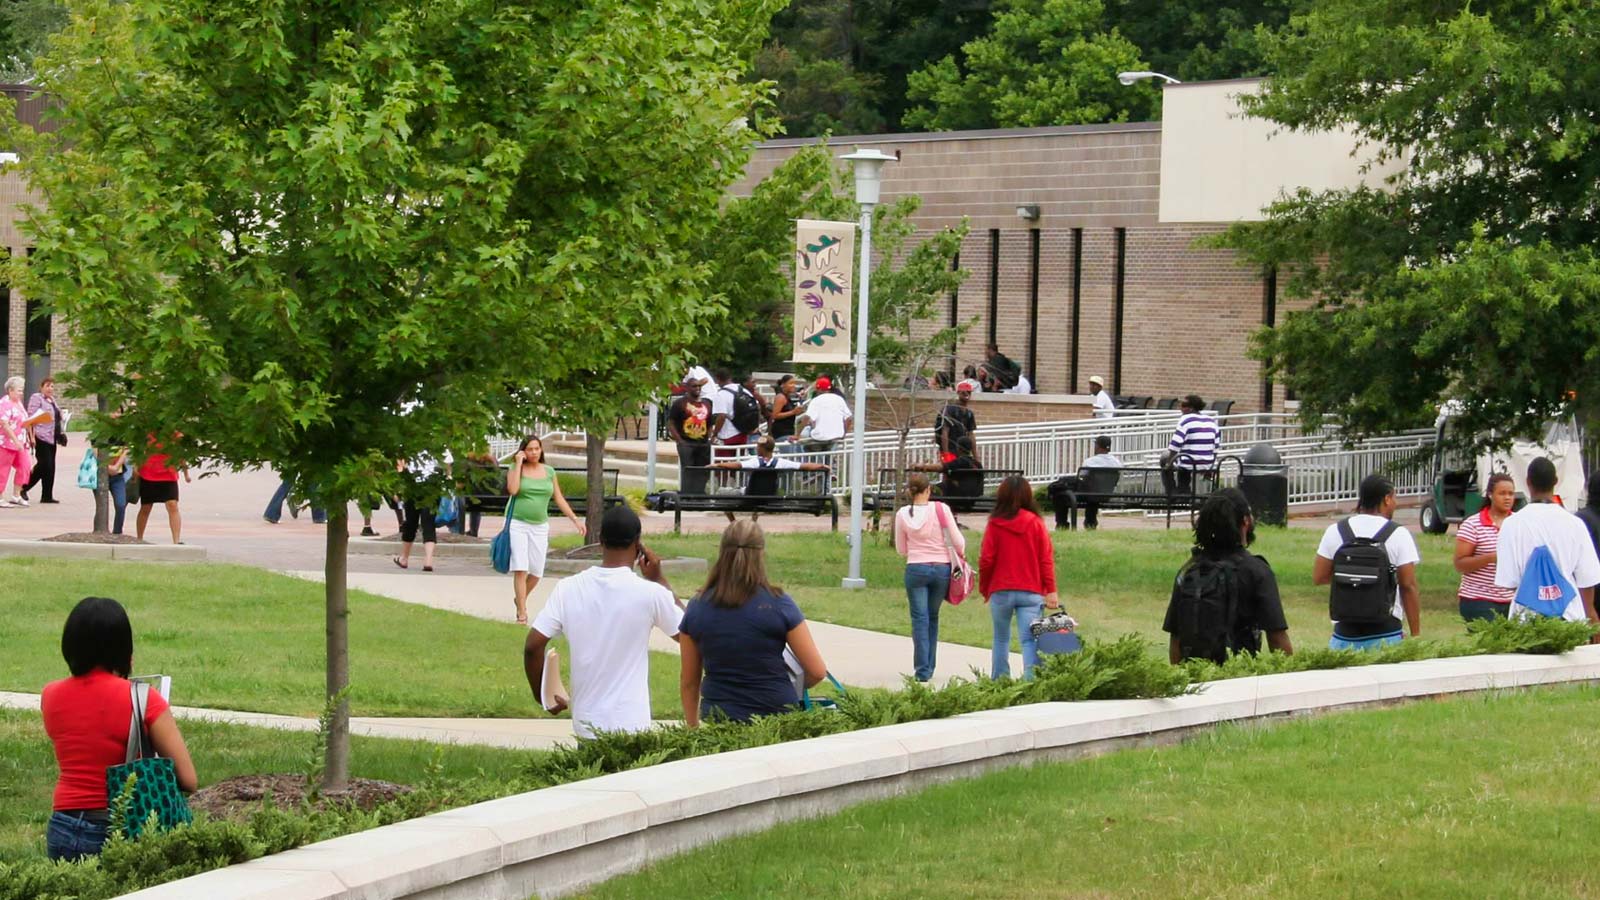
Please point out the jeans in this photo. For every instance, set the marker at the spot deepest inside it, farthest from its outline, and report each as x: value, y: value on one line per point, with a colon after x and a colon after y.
x: 118, y: 486
x: 274, y: 510
x: 1482, y: 609
x: 927, y: 584
x: 70, y: 838
x: 1027, y: 606
x: 691, y: 455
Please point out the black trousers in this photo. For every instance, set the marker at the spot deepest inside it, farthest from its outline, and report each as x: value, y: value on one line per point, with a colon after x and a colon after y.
x: 44, y: 471
x: 1058, y: 491
x: 1177, y: 480
x: 692, y: 455
x: 416, y: 515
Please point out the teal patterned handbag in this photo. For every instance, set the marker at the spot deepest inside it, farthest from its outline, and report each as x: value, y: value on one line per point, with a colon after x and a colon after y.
x: 155, y: 781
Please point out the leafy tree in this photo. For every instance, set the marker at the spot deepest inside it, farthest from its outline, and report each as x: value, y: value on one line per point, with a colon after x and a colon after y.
x: 1043, y: 62
x: 1200, y: 41
x: 25, y: 30
x: 326, y: 237
x: 1472, y: 275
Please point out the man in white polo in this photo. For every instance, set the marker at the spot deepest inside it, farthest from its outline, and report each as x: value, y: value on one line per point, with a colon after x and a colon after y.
x: 1543, y: 523
x: 829, y: 416
x: 1104, y: 408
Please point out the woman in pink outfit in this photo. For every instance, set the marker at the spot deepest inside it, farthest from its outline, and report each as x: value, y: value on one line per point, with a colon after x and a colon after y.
x: 15, y: 462
x: 921, y: 530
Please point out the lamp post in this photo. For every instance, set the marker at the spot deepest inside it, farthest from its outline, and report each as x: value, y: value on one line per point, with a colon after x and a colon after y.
x: 868, y: 165
x: 1128, y: 78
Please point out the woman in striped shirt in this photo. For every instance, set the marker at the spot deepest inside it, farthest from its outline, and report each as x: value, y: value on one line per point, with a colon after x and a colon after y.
x: 1477, y: 541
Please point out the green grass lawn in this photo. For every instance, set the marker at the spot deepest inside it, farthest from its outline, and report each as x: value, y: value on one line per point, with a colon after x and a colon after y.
x: 235, y: 637
x: 28, y: 766
x: 1113, y: 582
x: 1478, y: 796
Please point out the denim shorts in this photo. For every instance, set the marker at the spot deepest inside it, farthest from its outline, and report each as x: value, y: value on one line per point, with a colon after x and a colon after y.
x: 1367, y: 643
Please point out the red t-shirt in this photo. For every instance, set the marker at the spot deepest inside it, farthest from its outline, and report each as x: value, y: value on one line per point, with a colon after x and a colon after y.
x: 86, y: 717
x: 155, y: 466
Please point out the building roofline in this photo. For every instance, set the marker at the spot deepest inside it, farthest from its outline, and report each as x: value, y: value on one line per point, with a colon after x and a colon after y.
x: 984, y: 134
x: 1254, y: 79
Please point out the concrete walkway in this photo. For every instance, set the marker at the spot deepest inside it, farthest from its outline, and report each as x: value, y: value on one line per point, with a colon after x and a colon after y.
x: 510, y: 734
x: 856, y: 656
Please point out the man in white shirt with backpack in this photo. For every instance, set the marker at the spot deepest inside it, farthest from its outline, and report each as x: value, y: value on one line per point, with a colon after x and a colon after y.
x: 1370, y: 563
x: 732, y: 420
x: 1543, y: 523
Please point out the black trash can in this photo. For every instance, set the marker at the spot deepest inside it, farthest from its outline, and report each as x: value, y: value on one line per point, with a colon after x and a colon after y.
x: 1264, y: 478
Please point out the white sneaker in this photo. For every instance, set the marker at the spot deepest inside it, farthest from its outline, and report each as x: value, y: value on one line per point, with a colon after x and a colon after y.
x: 7, y: 504
x: 20, y: 501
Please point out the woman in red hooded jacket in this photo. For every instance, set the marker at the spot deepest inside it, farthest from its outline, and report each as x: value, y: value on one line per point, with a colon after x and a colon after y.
x: 1016, y: 572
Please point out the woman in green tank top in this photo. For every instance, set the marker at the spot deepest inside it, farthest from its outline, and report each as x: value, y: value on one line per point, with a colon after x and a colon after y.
x: 532, y: 485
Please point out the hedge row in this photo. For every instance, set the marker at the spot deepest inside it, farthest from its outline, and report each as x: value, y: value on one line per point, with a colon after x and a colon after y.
x: 1122, y: 669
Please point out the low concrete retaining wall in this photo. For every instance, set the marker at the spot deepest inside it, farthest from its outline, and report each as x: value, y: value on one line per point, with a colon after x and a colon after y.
x: 555, y: 841
x: 73, y: 550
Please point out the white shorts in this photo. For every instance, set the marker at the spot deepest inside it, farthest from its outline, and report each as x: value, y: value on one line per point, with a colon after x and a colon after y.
x: 529, y: 545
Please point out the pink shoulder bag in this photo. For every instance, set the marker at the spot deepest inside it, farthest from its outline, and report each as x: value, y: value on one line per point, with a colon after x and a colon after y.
x: 960, y: 572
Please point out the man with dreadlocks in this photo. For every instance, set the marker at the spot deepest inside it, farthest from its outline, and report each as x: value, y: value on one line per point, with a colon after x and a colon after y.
x: 1224, y: 596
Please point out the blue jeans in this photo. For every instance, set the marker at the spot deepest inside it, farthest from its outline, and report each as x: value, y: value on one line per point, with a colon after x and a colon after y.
x: 118, y: 486
x: 274, y: 510
x: 1027, y: 606
x: 69, y: 837
x: 926, y: 587
x: 1368, y: 643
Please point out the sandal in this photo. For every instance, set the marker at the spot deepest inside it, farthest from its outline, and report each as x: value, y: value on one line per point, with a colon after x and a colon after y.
x: 396, y: 561
x: 427, y: 568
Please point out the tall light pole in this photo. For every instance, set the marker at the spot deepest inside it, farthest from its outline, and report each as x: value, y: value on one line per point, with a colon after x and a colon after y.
x: 868, y: 166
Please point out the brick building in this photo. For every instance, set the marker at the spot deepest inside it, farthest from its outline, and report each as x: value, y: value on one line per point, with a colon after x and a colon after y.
x: 1083, y: 245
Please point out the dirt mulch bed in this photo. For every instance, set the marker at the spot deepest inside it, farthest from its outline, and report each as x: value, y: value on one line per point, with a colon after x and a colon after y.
x: 89, y: 537
x: 445, y: 537
x: 238, y: 797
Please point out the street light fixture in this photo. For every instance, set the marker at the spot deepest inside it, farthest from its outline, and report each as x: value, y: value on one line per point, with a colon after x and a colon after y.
x: 1129, y: 78
x: 868, y: 165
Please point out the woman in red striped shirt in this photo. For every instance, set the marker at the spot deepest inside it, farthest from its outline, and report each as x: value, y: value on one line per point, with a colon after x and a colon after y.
x: 1477, y: 541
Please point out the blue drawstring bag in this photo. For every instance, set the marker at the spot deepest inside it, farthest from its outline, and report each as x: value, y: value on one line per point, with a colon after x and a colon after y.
x: 89, y: 471
x: 1544, y: 590
x: 449, y: 508
x: 500, y: 547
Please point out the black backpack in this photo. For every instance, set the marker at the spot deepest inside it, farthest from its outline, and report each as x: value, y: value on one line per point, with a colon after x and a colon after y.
x: 1363, y: 578
x: 746, y: 411
x: 1206, y: 602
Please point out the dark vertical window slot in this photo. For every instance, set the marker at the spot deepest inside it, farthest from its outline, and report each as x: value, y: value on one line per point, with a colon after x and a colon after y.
x: 1269, y: 318
x: 955, y: 300
x: 1118, y: 300
x: 1033, y: 304
x: 994, y: 285
x: 1077, y: 304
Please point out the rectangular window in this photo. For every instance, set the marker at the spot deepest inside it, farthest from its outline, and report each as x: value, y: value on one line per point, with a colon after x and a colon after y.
x: 1118, y: 298
x: 955, y: 318
x: 1077, y: 305
x: 1269, y: 318
x: 1033, y: 304
x: 36, y: 334
x: 994, y: 284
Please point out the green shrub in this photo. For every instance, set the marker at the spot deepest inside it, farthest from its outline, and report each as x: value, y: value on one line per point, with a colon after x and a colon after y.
x: 39, y: 879
x: 1538, y: 635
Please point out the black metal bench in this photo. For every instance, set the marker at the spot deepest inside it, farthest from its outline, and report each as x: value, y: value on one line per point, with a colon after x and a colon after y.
x: 973, y: 489
x: 1141, y: 488
x: 489, y: 490
x: 751, y: 490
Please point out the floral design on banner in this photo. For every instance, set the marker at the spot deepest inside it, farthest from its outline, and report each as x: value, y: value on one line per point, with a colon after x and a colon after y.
x: 824, y: 265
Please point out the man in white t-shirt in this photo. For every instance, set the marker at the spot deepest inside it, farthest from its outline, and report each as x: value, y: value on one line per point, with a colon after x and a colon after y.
x: 1543, y: 523
x: 1104, y: 407
x: 698, y: 375
x: 1376, y: 510
x: 606, y: 614
x: 829, y: 416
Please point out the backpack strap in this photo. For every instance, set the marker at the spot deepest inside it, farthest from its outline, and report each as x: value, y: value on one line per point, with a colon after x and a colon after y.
x: 138, y: 692
x: 1346, y: 533
x: 1382, y: 535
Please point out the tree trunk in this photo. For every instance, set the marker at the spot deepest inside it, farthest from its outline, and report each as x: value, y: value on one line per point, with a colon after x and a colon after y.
x: 102, y: 483
x: 336, y: 766
x: 594, y: 446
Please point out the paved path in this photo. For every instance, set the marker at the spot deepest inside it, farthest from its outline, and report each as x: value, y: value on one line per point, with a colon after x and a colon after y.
x: 856, y: 656
x: 511, y: 734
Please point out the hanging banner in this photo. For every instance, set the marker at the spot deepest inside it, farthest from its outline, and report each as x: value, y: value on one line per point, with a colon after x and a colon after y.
x: 824, y: 269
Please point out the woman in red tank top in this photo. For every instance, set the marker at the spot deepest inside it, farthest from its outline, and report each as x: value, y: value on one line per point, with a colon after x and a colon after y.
x: 87, y: 718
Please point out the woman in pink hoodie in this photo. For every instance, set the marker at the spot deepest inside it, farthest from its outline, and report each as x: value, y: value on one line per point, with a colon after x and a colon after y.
x: 1016, y: 572
x: 920, y: 532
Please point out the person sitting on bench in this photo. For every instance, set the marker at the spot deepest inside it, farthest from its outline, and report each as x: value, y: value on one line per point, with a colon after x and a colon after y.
x: 1103, y: 458
x: 963, y: 476
x: 763, y: 482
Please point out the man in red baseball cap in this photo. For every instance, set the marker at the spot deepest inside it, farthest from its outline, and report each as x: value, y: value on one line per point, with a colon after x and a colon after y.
x: 828, y: 416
